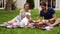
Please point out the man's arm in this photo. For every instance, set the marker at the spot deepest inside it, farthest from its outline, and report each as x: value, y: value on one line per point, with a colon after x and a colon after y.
x: 54, y: 17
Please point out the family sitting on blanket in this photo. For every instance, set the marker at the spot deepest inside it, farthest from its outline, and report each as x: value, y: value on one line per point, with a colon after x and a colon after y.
x: 24, y: 18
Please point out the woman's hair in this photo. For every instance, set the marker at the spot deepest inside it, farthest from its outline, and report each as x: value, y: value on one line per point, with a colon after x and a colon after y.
x: 26, y: 4
x: 43, y: 3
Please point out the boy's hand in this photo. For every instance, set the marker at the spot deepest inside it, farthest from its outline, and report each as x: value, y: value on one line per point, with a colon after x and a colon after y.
x: 40, y: 23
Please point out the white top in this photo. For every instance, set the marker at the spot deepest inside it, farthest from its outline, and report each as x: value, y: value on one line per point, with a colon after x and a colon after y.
x: 24, y: 22
x: 22, y: 13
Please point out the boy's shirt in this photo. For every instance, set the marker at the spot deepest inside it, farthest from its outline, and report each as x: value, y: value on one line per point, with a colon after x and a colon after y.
x: 24, y: 22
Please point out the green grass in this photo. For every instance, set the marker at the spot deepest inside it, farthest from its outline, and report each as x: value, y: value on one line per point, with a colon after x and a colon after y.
x: 6, y: 17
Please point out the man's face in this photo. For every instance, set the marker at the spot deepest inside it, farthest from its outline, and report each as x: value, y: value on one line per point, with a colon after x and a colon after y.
x: 43, y: 7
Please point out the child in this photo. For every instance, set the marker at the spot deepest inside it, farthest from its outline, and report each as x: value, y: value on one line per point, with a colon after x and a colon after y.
x: 25, y: 21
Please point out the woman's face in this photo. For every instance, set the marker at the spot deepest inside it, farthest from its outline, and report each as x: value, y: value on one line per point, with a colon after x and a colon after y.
x: 27, y: 6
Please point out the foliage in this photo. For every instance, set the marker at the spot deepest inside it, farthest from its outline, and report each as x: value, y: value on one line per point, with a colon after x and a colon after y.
x: 31, y: 2
x: 13, y: 5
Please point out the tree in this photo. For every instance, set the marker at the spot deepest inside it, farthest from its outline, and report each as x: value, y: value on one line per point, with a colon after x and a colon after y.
x: 31, y: 2
x: 9, y: 5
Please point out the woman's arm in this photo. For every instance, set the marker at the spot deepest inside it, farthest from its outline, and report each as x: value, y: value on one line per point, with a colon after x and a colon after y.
x: 20, y: 14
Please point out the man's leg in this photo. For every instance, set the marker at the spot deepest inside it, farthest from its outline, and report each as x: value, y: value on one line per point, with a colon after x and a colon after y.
x: 47, y: 22
x: 56, y: 22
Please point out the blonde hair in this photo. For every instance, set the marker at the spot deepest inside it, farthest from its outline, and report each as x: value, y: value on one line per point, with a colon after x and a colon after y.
x: 27, y: 13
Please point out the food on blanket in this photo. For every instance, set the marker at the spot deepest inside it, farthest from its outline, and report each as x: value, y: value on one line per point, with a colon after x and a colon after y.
x: 38, y: 24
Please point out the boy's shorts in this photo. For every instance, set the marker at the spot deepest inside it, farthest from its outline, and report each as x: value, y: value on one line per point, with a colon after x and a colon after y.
x: 30, y: 25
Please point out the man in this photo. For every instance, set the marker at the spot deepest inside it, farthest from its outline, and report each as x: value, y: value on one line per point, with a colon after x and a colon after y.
x: 48, y: 14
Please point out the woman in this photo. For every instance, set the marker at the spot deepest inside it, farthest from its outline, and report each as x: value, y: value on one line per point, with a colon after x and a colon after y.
x: 16, y: 21
x: 22, y: 12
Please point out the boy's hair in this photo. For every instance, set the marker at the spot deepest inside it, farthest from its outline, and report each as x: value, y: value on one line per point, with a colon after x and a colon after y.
x: 43, y: 3
x: 27, y: 13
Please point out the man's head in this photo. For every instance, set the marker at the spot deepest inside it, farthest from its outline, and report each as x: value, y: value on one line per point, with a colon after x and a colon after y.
x: 43, y: 5
x: 28, y: 15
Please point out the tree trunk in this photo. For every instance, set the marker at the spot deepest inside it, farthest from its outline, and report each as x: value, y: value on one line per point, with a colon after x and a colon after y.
x: 9, y: 6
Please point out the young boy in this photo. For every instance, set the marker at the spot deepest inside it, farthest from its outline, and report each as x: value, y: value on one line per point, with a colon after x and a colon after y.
x: 25, y: 21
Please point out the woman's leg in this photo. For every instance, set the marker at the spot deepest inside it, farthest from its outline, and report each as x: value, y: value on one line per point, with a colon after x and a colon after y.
x: 11, y: 21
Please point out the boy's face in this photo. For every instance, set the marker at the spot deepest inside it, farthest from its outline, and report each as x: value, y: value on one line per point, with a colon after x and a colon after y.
x: 28, y: 16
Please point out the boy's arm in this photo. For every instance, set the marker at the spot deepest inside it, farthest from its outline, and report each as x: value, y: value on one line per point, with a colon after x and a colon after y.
x: 41, y: 18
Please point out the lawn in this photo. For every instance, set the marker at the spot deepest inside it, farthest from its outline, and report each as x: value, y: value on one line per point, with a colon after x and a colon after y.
x: 35, y: 13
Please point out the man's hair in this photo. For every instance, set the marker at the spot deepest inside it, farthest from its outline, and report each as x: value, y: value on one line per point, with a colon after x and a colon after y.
x: 43, y: 3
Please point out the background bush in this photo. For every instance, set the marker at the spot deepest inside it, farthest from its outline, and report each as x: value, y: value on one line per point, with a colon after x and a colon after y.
x: 31, y: 2
x: 13, y: 7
